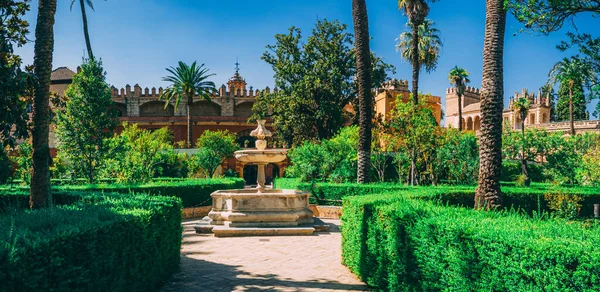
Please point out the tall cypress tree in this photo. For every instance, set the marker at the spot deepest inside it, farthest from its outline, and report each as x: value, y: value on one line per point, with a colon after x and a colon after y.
x: 579, y: 103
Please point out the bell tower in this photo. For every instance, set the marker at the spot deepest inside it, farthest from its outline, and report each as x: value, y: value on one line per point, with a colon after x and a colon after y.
x: 237, y: 84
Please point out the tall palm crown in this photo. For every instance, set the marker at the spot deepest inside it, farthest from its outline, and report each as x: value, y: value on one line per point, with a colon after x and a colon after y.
x: 459, y: 78
x: 86, y: 33
x: 521, y: 107
x: 572, y: 71
x: 186, y: 82
x: 429, y: 41
x: 416, y: 11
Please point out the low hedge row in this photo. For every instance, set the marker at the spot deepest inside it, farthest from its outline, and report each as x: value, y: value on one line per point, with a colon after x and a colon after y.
x: 118, y: 243
x: 192, y: 192
x: 400, y: 244
x: 528, y: 199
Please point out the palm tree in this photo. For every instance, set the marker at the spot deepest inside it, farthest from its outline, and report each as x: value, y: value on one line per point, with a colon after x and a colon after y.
x: 416, y: 11
x: 488, y: 194
x: 363, y: 72
x: 572, y: 71
x: 186, y: 82
x: 521, y: 107
x: 459, y: 78
x: 85, y: 24
x: 42, y: 61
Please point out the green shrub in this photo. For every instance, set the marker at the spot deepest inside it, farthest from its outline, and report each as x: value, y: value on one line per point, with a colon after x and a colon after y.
x: 119, y: 243
x: 192, y: 192
x: 511, y: 170
x: 5, y: 167
x: 331, y: 160
x: 400, y: 244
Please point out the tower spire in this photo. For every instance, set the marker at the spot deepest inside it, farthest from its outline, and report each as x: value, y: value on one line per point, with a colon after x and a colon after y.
x: 237, y: 64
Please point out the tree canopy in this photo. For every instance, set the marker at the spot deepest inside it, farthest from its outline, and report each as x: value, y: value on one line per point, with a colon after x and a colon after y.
x: 315, y: 80
x: 86, y: 120
x: 15, y: 83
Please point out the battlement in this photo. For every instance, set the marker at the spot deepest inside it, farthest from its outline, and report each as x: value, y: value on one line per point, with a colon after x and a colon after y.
x: 468, y: 90
x: 223, y: 91
x: 535, y: 101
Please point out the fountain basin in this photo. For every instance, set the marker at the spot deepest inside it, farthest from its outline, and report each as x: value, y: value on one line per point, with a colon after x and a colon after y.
x: 269, y: 208
x: 261, y: 156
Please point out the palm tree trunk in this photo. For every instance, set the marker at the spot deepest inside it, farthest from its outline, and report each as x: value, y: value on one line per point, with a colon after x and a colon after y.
x: 523, y: 161
x: 40, y: 195
x: 415, y: 63
x: 488, y: 194
x: 85, y: 30
x: 460, y: 127
x: 363, y: 73
x: 190, y: 123
x: 571, y: 118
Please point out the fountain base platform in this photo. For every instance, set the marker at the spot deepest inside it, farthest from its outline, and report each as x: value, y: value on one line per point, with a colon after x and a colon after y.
x: 249, y: 212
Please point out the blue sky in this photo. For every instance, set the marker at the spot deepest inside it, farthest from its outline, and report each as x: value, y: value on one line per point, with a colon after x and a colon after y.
x: 138, y: 39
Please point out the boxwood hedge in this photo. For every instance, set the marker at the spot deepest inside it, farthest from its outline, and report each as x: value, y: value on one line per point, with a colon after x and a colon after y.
x: 528, y: 199
x: 102, y: 242
x: 396, y: 243
x: 192, y: 192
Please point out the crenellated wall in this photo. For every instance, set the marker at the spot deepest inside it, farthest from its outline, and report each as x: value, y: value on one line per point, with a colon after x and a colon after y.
x: 227, y: 99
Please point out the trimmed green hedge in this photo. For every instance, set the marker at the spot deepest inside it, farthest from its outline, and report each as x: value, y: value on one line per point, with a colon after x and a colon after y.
x: 528, y: 199
x: 118, y: 243
x: 400, y: 244
x: 192, y: 192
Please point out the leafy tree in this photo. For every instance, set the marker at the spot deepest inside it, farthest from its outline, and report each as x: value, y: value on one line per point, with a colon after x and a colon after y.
x: 572, y: 71
x: 14, y: 82
x: 563, y: 160
x: 458, y: 156
x: 416, y: 11
x: 5, y: 166
x: 213, y: 148
x: 563, y: 103
x: 588, y: 173
x: 363, y: 76
x: 23, y: 162
x: 42, y: 63
x: 86, y: 34
x: 85, y: 121
x: 315, y: 81
x: 430, y: 46
x: 187, y: 82
x: 488, y: 194
x: 333, y: 160
x: 138, y: 155
x: 459, y: 78
x: 412, y: 129
x: 546, y: 16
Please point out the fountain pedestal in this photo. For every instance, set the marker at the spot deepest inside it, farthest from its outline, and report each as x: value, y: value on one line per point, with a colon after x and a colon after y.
x: 260, y: 211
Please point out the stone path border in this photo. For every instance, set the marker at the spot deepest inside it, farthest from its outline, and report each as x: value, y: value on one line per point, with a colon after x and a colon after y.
x: 279, y: 263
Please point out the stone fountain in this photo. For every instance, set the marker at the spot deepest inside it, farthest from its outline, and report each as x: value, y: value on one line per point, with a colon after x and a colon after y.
x: 259, y: 211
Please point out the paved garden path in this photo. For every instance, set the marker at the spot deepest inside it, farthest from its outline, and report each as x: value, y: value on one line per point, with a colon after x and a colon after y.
x: 279, y: 263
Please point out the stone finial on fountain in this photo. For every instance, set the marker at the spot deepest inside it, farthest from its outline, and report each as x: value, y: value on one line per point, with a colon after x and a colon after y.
x: 261, y: 133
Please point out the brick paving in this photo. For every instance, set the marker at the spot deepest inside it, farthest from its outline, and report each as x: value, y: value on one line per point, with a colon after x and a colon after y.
x: 279, y: 263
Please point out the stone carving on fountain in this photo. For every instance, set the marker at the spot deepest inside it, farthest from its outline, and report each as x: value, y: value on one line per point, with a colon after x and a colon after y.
x: 261, y: 211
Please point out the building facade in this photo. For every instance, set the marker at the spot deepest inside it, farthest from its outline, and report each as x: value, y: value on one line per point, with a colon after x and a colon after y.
x: 538, y: 115
x: 393, y: 90
x: 228, y: 109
